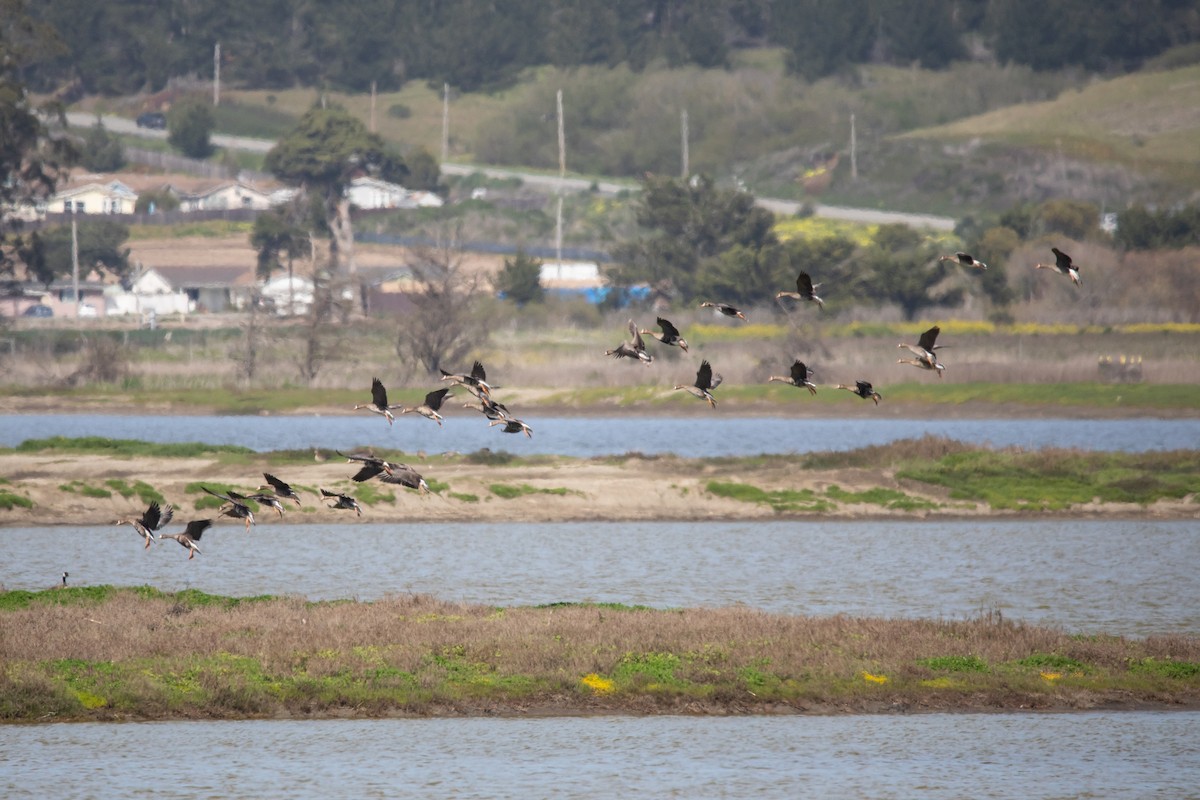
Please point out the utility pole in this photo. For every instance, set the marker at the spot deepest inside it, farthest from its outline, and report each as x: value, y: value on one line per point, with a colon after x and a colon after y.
x: 853, y: 152
x: 372, y: 106
x: 217, y: 75
x: 75, y: 264
x: 683, y: 134
x: 562, y: 174
x: 445, y: 122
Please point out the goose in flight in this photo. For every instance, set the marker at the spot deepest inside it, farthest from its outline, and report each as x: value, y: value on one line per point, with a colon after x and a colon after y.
x: 725, y: 309
x: 379, y: 402
x: 805, y: 290
x: 1064, y: 264
x: 475, y: 381
x: 669, y: 336
x: 429, y: 409
x: 280, y: 488
x: 798, y: 378
x: 634, y: 348
x: 190, y: 535
x: 513, y: 425
x: 342, y: 501
x: 235, y: 506
x: 966, y: 259
x: 924, y: 351
x: 153, y: 518
x: 863, y: 389
x: 706, y: 381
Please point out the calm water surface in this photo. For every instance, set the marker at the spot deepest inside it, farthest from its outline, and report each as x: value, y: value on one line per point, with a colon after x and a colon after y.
x: 1091, y: 755
x: 1115, y: 577
x: 714, y: 435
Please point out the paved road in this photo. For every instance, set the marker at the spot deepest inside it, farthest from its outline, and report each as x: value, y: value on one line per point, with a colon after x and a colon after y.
x: 551, y: 183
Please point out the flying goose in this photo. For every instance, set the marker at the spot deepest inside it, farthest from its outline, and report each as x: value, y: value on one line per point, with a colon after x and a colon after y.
x: 725, y: 309
x: 281, y: 489
x: 669, y: 336
x: 489, y: 408
x: 512, y: 425
x: 191, y: 534
x: 151, y: 520
x: 705, y: 382
x: 805, y: 290
x: 429, y: 409
x: 476, y: 381
x: 342, y: 501
x: 966, y: 259
x: 235, y: 506
x: 798, y: 378
x: 634, y: 348
x: 863, y: 389
x: 924, y: 352
x: 379, y: 402
x: 1063, y: 263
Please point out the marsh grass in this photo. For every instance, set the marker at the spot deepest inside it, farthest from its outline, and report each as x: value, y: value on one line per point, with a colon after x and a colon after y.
x: 10, y: 500
x: 129, y: 448
x: 778, y: 499
x: 108, y: 652
x: 508, y: 491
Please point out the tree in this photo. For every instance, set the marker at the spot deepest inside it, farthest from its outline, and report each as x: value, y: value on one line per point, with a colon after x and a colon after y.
x: 521, y: 279
x: 189, y: 127
x: 101, y: 151
x: 321, y: 155
x: 446, y: 321
x: 31, y: 161
x: 689, y: 224
x: 903, y: 269
x: 100, y: 247
x: 823, y: 36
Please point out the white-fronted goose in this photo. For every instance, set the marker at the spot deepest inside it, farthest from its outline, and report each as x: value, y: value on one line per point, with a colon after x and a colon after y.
x: 379, y: 401
x: 805, y: 290
x: 863, y: 389
x: 151, y: 520
x: 706, y: 381
x: 634, y: 348
x: 669, y: 336
x: 725, y: 309
x: 1064, y: 264
x: 966, y: 259
x: 343, y: 501
x: 798, y: 378
x: 191, y: 534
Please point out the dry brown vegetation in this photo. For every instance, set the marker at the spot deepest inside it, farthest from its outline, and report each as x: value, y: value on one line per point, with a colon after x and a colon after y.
x: 133, y: 654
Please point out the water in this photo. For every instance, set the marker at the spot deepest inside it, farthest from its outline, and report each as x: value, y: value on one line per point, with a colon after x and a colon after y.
x: 1088, y: 755
x: 711, y: 435
x: 1116, y: 577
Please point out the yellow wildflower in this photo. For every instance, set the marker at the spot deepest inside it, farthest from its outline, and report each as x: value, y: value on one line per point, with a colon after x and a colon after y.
x: 874, y: 678
x: 1051, y: 676
x: 597, y: 684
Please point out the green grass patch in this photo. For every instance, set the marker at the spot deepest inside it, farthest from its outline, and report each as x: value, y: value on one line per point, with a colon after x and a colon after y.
x: 372, y: 493
x: 81, y: 488
x: 1053, y: 662
x: 10, y: 500
x: 510, y: 491
x: 144, y: 491
x: 463, y: 497
x: 99, y: 445
x: 1181, y: 670
x: 879, y: 496
x: 781, y: 500
x: 436, y: 486
x: 955, y: 664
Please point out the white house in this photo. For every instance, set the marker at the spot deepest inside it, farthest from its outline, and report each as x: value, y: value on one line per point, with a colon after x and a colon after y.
x: 225, y: 196
x: 150, y: 292
x: 288, y: 296
x: 371, y: 193
x: 113, y: 197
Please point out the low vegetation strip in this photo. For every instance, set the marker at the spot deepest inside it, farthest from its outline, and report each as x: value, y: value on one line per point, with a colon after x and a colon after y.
x: 101, y: 653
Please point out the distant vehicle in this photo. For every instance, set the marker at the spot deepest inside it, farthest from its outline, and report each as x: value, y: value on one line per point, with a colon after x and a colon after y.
x: 152, y: 119
x: 38, y: 311
x: 87, y: 310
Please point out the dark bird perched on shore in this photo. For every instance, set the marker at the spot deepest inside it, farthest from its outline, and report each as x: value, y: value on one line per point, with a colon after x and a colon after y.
x: 235, y: 506
x: 475, y: 381
x: 798, y: 378
x: 805, y: 290
x: 429, y: 409
x: 342, y: 501
x: 706, y: 381
x: 725, y: 309
x: 281, y: 489
x: 489, y: 408
x: 1064, y: 264
x: 634, y: 348
x: 924, y: 352
x: 512, y: 425
x: 669, y: 336
x: 151, y: 520
x: 65, y: 575
x: 379, y: 402
x: 966, y: 259
x: 863, y: 389
x: 191, y: 534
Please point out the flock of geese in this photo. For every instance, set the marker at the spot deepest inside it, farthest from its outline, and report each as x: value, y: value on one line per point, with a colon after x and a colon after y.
x: 272, y: 494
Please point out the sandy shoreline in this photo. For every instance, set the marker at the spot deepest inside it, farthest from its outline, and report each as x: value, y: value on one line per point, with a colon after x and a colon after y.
x: 551, y: 490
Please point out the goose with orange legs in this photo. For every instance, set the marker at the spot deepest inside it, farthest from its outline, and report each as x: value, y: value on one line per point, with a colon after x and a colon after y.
x: 1065, y: 266
x: 805, y: 290
x: 429, y: 409
x: 863, y: 389
x: 965, y: 259
x: 379, y: 402
x: 190, y: 535
x: 924, y: 352
x: 706, y: 381
x: 634, y: 348
x: 669, y: 336
x: 798, y: 377
x: 153, y: 518
x: 235, y: 506
x: 725, y: 309
x: 342, y: 501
